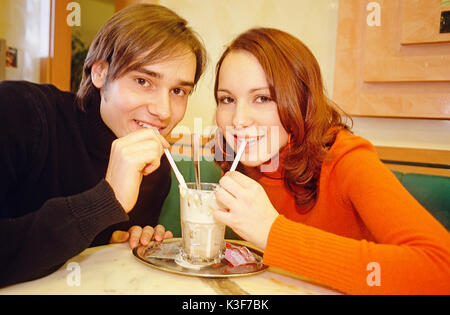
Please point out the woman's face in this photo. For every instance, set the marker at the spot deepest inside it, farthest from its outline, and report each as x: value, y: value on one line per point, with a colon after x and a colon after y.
x: 154, y: 96
x: 246, y: 110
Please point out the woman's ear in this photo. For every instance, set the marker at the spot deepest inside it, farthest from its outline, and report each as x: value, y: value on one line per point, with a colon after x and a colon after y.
x: 98, y: 73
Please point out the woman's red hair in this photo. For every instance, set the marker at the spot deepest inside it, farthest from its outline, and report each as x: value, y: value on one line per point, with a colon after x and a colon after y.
x: 295, y: 83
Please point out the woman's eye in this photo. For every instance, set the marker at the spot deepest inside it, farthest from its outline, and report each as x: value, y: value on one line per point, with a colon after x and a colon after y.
x: 263, y: 99
x: 226, y: 100
x: 143, y: 82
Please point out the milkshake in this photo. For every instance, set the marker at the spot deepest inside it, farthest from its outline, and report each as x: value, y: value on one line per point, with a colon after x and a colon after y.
x: 203, y: 236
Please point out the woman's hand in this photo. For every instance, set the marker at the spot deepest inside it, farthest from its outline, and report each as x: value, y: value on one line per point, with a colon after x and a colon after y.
x: 249, y: 211
x: 141, y: 236
x: 133, y: 156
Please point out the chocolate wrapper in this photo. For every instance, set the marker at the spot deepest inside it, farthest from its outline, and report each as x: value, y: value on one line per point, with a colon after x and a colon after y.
x: 238, y: 255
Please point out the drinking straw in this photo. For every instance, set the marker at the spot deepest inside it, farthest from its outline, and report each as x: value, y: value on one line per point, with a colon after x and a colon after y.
x: 172, y: 163
x: 238, y: 155
x: 196, y: 146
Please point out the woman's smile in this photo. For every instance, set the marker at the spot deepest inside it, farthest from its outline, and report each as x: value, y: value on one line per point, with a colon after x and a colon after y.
x: 246, y: 110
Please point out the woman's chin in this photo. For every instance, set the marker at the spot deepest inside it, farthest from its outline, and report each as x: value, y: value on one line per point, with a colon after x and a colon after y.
x: 254, y: 162
x: 251, y: 163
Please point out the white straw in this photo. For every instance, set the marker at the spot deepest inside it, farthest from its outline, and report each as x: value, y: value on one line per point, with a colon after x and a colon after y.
x: 238, y: 156
x: 197, y: 147
x: 172, y: 163
x: 175, y: 169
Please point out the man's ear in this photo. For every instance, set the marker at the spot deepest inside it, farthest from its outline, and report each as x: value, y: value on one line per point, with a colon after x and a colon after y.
x: 98, y: 73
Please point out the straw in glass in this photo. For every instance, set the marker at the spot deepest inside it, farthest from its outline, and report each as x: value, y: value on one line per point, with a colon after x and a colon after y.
x: 196, y: 146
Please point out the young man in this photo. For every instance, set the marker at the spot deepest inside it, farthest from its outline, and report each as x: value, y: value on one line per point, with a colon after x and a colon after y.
x: 74, y: 167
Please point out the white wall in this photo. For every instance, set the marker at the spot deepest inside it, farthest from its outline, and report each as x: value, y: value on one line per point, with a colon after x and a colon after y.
x: 218, y: 22
x: 25, y: 26
x: 315, y: 23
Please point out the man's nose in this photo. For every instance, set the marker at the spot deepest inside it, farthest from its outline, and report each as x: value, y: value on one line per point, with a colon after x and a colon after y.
x: 160, y: 105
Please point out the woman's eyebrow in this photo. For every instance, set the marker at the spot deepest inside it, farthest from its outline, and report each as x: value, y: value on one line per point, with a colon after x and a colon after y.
x: 250, y: 91
x: 223, y: 90
x: 160, y: 76
x: 258, y: 89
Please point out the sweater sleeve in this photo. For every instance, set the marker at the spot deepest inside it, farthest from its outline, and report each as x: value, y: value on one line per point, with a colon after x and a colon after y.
x: 36, y: 242
x: 411, y: 254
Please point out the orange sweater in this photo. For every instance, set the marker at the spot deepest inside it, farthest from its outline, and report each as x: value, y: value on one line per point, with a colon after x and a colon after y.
x: 365, y: 235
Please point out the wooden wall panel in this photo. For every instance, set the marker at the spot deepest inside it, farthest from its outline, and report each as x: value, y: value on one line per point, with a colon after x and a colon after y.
x: 425, y: 11
x: 385, y: 60
x: 377, y: 76
x: 62, y: 47
x: 421, y: 161
x: 120, y: 4
x: 55, y: 68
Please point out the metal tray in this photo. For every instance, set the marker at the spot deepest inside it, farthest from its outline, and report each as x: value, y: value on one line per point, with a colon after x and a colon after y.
x: 220, y: 270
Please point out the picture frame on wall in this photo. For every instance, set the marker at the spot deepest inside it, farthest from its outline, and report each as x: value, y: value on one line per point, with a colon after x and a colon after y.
x: 2, y: 59
x: 445, y: 22
x: 11, y: 57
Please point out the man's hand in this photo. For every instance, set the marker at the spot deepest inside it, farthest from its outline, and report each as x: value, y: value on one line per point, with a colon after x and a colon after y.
x: 137, y: 235
x: 133, y: 156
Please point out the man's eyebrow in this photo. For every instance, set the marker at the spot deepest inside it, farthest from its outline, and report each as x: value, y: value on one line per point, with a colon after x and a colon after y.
x: 160, y: 76
x: 150, y: 73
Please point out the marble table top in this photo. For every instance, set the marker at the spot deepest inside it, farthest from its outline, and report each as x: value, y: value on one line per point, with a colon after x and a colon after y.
x: 113, y: 269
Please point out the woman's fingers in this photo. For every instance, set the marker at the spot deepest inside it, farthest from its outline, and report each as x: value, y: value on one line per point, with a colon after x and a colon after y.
x: 241, y: 179
x: 224, y: 197
x: 223, y: 216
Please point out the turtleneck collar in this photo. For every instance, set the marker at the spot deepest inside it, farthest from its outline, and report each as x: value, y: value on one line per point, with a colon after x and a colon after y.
x: 98, y: 136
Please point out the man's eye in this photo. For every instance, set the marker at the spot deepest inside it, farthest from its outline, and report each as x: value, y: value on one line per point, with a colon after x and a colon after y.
x: 179, y: 92
x: 142, y: 82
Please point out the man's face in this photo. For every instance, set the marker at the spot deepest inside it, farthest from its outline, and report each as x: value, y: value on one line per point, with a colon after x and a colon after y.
x: 155, y: 96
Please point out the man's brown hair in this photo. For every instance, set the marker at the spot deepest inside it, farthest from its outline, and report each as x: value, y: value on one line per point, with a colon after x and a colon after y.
x: 136, y: 36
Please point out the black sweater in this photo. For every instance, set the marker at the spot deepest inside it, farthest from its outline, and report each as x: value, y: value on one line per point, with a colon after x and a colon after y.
x: 54, y: 201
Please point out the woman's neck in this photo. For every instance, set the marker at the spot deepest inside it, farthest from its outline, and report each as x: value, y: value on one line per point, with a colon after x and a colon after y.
x: 271, y: 169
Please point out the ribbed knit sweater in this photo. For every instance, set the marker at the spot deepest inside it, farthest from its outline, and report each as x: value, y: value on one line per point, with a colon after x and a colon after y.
x: 54, y: 201
x: 365, y: 234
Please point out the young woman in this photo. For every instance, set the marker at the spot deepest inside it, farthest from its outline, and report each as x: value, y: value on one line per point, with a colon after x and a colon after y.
x: 330, y: 210
x: 70, y: 174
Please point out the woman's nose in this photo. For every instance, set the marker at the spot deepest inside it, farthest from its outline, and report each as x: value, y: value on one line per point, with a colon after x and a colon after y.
x: 242, y: 117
